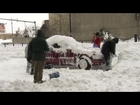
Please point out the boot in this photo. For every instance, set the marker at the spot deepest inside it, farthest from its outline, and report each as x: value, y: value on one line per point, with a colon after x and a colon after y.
x: 106, y: 68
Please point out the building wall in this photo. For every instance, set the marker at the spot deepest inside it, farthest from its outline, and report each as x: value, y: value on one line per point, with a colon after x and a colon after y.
x: 83, y: 25
x: 59, y: 23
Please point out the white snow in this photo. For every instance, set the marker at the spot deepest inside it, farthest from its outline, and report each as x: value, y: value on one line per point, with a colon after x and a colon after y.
x: 125, y: 75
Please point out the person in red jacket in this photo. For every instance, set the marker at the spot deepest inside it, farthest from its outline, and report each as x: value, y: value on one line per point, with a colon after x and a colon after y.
x: 96, y: 40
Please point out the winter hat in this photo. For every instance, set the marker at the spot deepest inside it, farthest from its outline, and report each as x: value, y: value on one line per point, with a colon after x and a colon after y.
x: 40, y: 34
x: 97, y: 33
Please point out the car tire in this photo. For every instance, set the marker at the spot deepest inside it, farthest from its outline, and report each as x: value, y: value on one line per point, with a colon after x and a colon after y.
x: 84, y: 64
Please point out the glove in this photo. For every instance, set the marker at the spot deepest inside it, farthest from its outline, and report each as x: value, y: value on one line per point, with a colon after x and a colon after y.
x: 29, y: 60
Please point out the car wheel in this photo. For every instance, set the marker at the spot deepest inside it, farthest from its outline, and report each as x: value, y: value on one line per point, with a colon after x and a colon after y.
x: 84, y: 64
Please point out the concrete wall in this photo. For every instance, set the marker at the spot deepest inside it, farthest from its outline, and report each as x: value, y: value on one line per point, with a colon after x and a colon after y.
x: 21, y: 40
x: 6, y: 36
x: 122, y: 25
x: 83, y: 25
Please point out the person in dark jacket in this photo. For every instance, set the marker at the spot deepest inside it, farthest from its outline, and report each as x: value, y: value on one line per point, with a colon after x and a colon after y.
x: 38, y: 48
x: 108, y: 50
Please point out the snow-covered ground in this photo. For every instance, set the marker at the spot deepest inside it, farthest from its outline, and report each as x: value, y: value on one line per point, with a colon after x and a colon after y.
x: 125, y: 75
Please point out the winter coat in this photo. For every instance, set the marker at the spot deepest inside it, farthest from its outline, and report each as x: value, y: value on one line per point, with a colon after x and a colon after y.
x: 38, y: 47
x: 109, y: 46
x: 96, y: 41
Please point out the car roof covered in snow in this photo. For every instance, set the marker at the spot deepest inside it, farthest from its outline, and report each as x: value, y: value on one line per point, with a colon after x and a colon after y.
x: 67, y: 42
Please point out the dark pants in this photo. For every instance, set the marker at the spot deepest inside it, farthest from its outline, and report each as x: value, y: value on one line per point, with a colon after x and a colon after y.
x: 108, y: 60
x: 38, y: 70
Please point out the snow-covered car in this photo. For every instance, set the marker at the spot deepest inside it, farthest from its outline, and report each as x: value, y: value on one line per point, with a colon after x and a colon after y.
x: 66, y: 51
